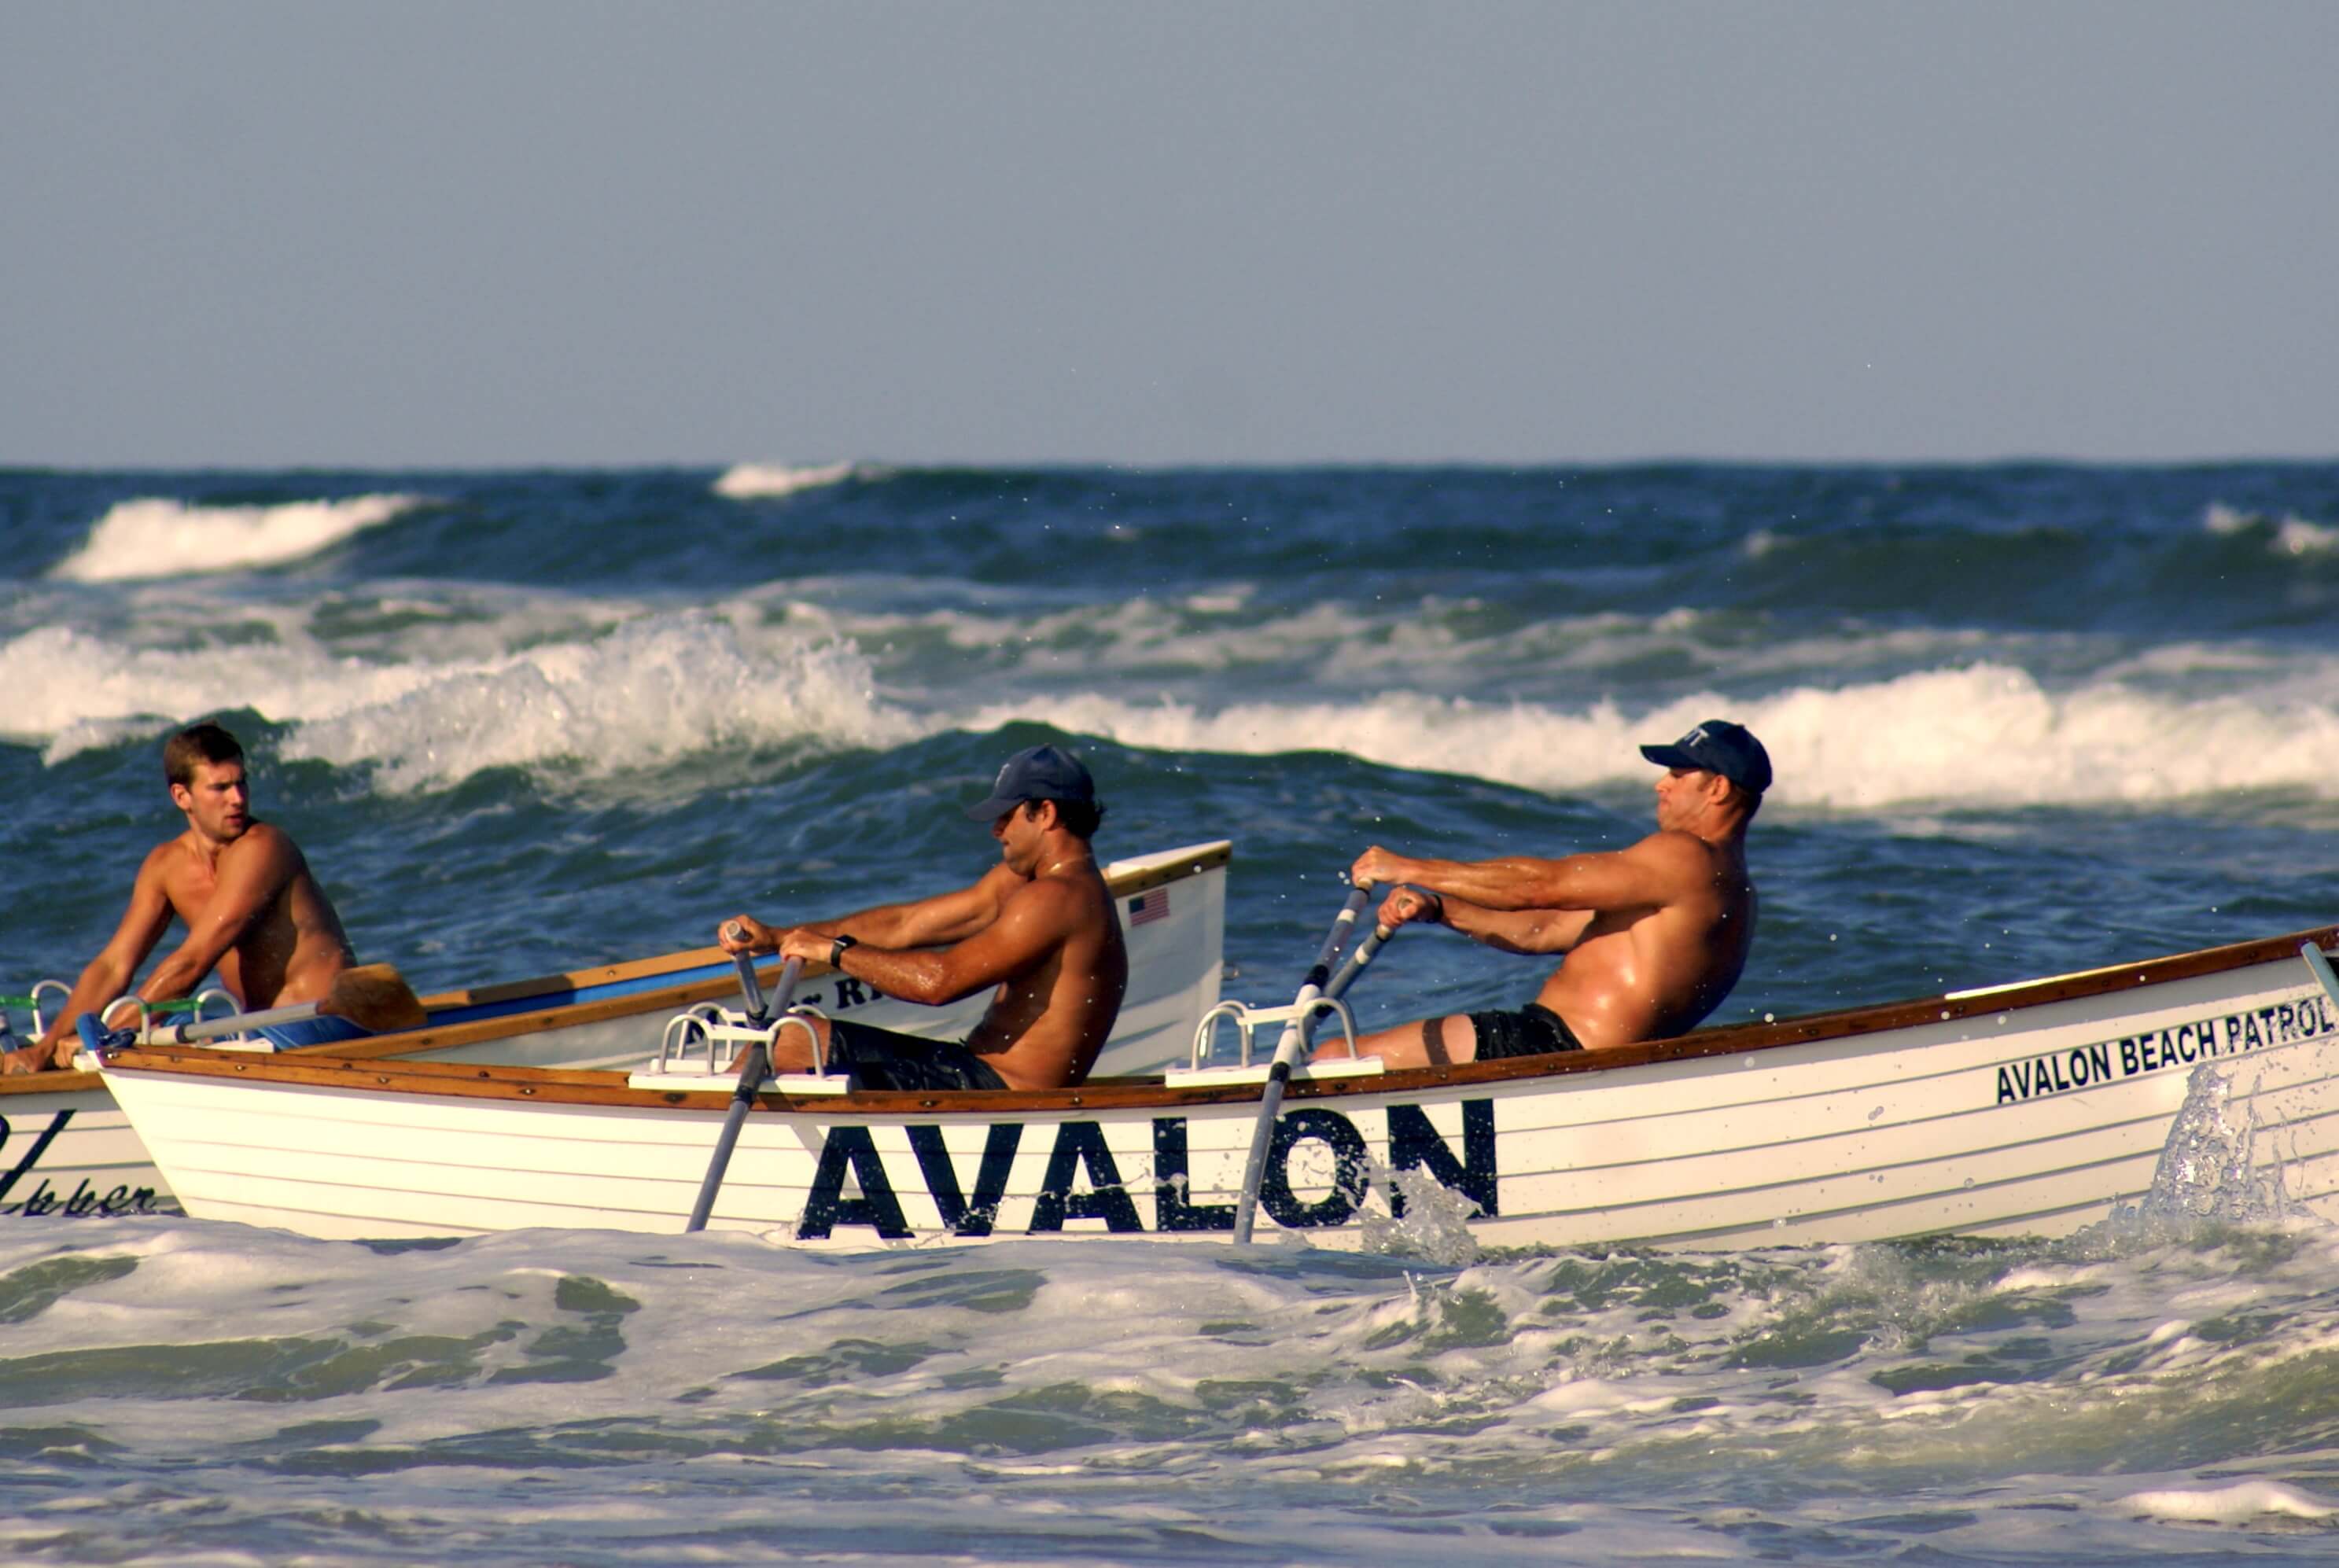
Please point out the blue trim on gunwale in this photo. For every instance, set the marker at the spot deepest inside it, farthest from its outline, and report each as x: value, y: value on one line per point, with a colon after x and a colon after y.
x: 544, y: 1001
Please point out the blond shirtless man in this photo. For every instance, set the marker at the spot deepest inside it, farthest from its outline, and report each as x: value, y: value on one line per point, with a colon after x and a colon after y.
x: 1654, y: 935
x: 251, y: 909
x: 1040, y: 928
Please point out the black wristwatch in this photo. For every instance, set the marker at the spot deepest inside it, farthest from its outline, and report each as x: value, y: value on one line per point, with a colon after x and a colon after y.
x: 836, y: 952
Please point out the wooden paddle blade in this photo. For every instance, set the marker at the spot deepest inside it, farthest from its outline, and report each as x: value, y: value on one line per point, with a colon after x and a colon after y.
x: 376, y: 997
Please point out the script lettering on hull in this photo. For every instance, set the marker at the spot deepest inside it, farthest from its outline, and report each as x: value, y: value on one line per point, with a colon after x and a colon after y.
x: 853, y: 1184
x: 84, y: 1201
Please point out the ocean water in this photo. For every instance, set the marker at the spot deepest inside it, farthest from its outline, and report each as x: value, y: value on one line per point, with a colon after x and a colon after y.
x: 2026, y: 719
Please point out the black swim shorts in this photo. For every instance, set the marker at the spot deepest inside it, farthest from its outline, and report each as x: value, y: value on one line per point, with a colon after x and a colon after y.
x: 1532, y: 1030
x: 883, y: 1059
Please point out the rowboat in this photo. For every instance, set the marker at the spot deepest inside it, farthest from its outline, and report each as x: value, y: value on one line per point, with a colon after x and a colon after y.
x: 2034, y: 1108
x: 67, y: 1148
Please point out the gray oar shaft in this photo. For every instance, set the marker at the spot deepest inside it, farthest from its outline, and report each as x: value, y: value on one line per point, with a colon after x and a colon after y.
x: 237, y: 1023
x: 1367, y: 951
x: 1287, y: 1053
x: 2320, y: 966
x: 752, y: 989
x: 753, y: 1069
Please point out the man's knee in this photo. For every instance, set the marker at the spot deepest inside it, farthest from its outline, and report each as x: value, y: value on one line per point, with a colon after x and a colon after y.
x: 801, y: 1041
x: 1433, y: 1042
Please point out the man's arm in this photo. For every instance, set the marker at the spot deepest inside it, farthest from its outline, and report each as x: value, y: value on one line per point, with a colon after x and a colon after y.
x: 1527, y: 930
x: 1530, y: 931
x: 253, y: 873
x: 920, y: 923
x: 108, y: 974
x: 1035, y: 923
x: 1647, y: 875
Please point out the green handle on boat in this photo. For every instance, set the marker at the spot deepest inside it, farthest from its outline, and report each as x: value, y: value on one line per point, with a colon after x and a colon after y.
x: 17, y: 1001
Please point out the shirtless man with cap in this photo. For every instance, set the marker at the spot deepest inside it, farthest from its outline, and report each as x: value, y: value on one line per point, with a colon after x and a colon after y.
x: 241, y: 887
x: 1040, y: 926
x: 1654, y: 935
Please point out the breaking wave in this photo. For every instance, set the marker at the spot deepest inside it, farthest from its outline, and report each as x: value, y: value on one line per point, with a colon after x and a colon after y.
x: 767, y: 481
x: 155, y: 536
x: 653, y: 691
x: 2288, y: 535
x: 430, y: 686
x: 1985, y: 735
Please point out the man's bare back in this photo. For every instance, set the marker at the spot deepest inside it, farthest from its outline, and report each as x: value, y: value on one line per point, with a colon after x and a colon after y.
x: 1654, y: 936
x: 1652, y: 971
x: 253, y: 910
x: 1044, y: 1027
x: 1039, y: 930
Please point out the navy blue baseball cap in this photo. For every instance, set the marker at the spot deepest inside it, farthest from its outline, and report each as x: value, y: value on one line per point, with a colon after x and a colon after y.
x: 1039, y: 772
x: 1719, y: 746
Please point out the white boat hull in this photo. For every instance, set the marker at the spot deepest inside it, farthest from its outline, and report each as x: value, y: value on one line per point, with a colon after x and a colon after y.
x: 2035, y: 1110
x: 67, y: 1148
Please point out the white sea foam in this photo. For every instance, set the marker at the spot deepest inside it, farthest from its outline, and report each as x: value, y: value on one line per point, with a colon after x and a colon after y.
x: 767, y: 481
x: 1432, y: 644
x: 656, y: 689
x: 635, y: 1395
x: 75, y: 690
x: 160, y: 537
x: 1984, y: 735
x: 2221, y: 518
x: 653, y: 692
x: 2297, y: 536
x: 2289, y: 536
x: 2230, y: 1504
x: 528, y: 679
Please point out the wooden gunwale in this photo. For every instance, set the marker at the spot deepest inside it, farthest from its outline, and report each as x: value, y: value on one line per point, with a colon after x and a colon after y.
x: 47, y: 1083
x: 1120, y: 886
x: 336, y: 1067
x: 673, y: 999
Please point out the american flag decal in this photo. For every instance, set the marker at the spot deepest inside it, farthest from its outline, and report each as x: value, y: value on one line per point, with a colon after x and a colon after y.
x: 1148, y: 905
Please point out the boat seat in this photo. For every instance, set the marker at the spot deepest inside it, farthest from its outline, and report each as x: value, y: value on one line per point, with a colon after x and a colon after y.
x: 724, y: 1034
x: 1247, y: 1021
x: 1256, y: 1073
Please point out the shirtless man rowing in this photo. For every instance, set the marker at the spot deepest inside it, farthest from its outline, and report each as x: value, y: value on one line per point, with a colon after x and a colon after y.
x: 251, y: 909
x: 1655, y: 935
x: 1040, y: 927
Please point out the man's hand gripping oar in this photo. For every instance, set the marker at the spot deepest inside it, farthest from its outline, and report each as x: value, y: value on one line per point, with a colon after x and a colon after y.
x: 1293, y: 1046
x: 754, y: 1068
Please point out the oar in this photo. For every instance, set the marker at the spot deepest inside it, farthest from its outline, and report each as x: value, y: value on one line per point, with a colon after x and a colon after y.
x: 2321, y: 965
x: 373, y: 996
x: 752, y: 1068
x: 1286, y: 1055
x: 1367, y: 951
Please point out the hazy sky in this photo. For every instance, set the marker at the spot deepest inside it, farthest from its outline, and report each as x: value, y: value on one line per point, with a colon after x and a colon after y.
x: 564, y: 232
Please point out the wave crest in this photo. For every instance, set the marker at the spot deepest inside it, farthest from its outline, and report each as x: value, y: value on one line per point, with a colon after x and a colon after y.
x: 1987, y: 735
x: 766, y: 482
x: 651, y: 692
x: 155, y: 536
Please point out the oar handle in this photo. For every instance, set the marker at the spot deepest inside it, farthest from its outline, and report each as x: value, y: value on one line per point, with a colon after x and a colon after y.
x: 752, y: 989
